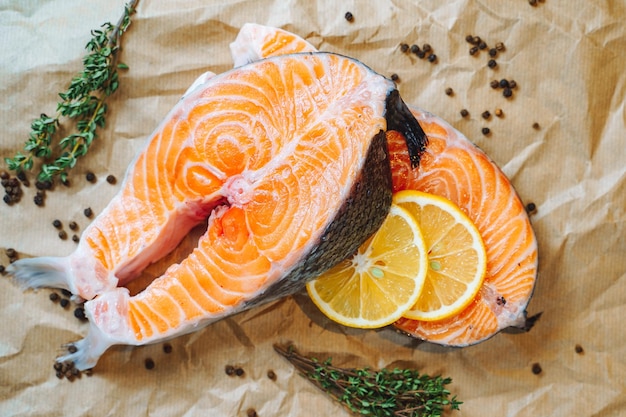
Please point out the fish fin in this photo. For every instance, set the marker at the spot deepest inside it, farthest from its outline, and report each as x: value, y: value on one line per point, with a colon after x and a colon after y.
x: 400, y: 118
x: 47, y: 271
x: 87, y: 351
x: 523, y: 324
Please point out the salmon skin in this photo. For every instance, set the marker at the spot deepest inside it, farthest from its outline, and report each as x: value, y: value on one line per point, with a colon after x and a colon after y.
x: 286, y: 161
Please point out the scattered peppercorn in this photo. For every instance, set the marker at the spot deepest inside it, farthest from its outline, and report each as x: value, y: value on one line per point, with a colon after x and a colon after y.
x: 349, y: 17
x: 504, y: 83
x: 404, y: 47
x: 251, y: 412
x: 38, y: 199
x: 492, y: 63
x: 90, y: 176
x: 239, y: 372
x: 531, y: 208
x: 494, y: 84
x: 482, y: 45
x: 11, y: 253
x: 485, y: 131
x: 500, y: 46
x: 1, y: 269
x: 230, y: 370
x: 493, y: 52
x: 79, y: 313
x: 415, y: 49
x: 394, y: 77
x: 54, y: 297
x: 536, y: 126
x: 271, y: 375
x: 149, y: 363
x: 432, y: 58
x: 476, y: 40
x: 75, y: 238
x: 579, y: 349
x: 469, y: 39
x: 532, y: 2
x: 499, y: 113
x: 512, y: 83
x: 426, y: 47
x: 57, y: 223
x: 486, y: 115
x: 449, y: 91
x: 62, y: 235
x: 536, y: 368
x: 4, y: 175
x: 421, y: 54
x: 72, y: 349
x: 167, y: 348
x: 64, y: 302
x: 88, y: 212
x: 507, y: 92
x: 464, y: 113
x: 73, y: 225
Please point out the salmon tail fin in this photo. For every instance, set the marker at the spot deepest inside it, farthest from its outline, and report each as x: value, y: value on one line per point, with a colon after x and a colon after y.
x: 47, y: 271
x: 400, y: 118
x: 84, y: 354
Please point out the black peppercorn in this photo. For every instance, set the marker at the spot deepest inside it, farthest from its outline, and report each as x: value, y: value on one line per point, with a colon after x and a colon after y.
x: 38, y: 199
x: 486, y: 115
x: 494, y: 84
x: 271, y: 375
x: 482, y: 45
x: 426, y: 47
x: 1, y: 269
x: 532, y: 2
x: 57, y: 223
x: 239, y: 372
x: 75, y: 238
x: 54, y: 297
x: 579, y: 349
x: 88, y: 212
x: 72, y: 349
x: 464, y: 113
x: 62, y: 235
x: 449, y: 91
x: 64, y: 302
x: 493, y: 52
x: 79, y: 313
x: 476, y: 40
x: 73, y: 225
x: 11, y: 253
x: 531, y: 208
x: 394, y: 77
x: 507, y: 92
x: 473, y: 50
x: 251, y: 412
x: 500, y: 46
x: 536, y: 368
x: 504, y: 83
x: 512, y: 83
x: 421, y: 54
x: 167, y: 348
x: 91, y: 177
x: 349, y: 17
x: 469, y: 38
x: 492, y: 63
x: 149, y: 363
x: 432, y: 58
x: 415, y: 49
x: 111, y: 179
x: 485, y: 131
x: 4, y: 175
x: 404, y: 47
x: 499, y: 113
x: 230, y: 370
x: 536, y: 126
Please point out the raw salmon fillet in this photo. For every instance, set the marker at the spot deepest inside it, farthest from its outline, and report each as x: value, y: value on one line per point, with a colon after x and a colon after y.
x: 456, y: 169
x: 286, y: 158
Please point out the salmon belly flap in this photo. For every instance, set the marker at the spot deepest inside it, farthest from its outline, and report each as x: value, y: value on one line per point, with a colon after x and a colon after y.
x: 285, y: 160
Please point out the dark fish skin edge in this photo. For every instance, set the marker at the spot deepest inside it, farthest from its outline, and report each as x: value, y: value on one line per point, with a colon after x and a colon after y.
x: 400, y: 118
x: 358, y: 218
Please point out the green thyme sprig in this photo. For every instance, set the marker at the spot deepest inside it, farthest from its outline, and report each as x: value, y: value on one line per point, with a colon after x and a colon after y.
x: 84, y: 102
x: 389, y: 393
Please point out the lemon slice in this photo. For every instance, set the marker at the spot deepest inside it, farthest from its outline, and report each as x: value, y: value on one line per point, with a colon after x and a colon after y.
x: 381, y: 281
x: 457, y: 260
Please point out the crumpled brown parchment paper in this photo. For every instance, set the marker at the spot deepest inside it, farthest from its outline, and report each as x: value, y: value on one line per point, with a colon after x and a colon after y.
x: 568, y: 60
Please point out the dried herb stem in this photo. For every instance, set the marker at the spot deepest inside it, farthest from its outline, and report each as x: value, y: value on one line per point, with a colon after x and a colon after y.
x: 84, y: 101
x: 397, y: 392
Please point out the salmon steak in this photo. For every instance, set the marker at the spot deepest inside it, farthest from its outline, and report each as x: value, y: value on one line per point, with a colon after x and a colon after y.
x: 283, y: 159
x: 454, y: 168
